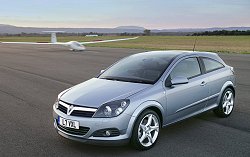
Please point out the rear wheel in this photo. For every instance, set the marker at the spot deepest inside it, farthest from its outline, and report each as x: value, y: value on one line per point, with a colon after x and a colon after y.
x: 146, y: 130
x: 226, y: 105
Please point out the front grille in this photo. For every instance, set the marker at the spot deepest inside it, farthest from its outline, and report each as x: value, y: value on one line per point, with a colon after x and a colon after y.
x: 81, y: 131
x: 78, y: 111
x: 82, y: 113
x: 62, y: 108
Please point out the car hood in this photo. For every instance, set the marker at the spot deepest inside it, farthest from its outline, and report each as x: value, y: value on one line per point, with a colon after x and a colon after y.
x: 95, y: 92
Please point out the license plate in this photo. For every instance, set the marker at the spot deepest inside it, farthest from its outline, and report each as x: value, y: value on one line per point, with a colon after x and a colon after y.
x: 68, y: 123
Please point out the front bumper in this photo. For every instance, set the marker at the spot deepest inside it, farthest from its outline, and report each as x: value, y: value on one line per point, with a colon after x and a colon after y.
x: 122, y: 123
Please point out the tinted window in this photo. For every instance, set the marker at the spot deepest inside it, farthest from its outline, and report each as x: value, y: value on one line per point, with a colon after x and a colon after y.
x: 140, y: 68
x: 187, y: 68
x: 211, y: 64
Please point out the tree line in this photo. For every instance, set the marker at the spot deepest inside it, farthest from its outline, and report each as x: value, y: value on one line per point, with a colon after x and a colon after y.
x: 222, y: 32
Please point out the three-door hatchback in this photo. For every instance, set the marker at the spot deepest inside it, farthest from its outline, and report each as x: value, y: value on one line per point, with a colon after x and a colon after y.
x: 134, y: 98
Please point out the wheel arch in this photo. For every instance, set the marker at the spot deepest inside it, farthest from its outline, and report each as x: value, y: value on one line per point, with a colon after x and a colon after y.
x: 153, y: 105
x: 231, y: 87
x: 228, y: 84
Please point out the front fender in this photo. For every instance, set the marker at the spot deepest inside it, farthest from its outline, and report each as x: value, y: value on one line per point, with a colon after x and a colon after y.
x: 140, y: 109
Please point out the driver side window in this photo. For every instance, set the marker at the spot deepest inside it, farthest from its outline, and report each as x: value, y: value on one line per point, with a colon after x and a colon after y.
x: 188, y: 68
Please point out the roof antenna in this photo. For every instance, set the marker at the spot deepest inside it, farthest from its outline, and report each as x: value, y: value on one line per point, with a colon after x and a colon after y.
x: 195, y: 43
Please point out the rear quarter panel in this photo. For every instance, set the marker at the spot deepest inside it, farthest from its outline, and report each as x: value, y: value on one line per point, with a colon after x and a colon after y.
x: 218, y: 81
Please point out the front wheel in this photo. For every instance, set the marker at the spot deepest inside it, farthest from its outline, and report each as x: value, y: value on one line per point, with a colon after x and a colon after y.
x: 226, y: 105
x: 146, y: 130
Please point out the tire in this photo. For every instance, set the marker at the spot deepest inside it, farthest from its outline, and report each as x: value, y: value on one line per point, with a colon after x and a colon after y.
x: 145, y: 131
x: 226, y: 105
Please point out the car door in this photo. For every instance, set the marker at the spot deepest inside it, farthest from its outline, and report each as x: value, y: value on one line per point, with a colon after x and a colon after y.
x: 185, y: 100
x: 217, y: 77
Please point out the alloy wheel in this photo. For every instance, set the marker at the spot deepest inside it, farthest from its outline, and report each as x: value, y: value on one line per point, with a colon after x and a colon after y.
x: 148, y: 130
x: 228, y: 102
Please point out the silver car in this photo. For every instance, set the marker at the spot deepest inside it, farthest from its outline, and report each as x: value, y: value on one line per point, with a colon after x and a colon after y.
x: 134, y: 98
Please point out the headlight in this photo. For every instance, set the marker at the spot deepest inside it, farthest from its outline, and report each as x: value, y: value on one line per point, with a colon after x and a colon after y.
x: 112, y: 109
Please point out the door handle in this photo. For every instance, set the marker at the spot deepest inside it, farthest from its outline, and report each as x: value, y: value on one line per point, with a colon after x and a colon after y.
x: 203, y: 83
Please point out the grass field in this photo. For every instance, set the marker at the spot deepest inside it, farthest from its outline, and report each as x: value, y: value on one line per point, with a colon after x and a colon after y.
x: 229, y: 44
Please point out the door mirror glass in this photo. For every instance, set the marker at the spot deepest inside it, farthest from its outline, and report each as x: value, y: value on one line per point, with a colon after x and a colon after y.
x: 179, y: 80
x: 102, y: 71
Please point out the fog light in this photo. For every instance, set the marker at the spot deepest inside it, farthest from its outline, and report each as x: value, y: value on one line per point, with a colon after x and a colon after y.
x: 107, y: 133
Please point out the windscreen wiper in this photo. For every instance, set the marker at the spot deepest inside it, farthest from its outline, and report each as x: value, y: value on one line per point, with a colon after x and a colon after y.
x: 125, y: 79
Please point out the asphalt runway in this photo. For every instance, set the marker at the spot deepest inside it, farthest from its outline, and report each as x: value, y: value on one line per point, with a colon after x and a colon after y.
x: 32, y: 76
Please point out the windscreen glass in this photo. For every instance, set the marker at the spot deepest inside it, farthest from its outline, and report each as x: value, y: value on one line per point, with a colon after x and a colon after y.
x: 139, y: 68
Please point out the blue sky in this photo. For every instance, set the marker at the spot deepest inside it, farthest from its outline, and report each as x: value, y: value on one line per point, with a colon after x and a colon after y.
x: 151, y: 14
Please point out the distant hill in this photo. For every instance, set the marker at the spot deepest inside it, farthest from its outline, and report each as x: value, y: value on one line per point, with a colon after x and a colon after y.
x: 17, y: 30
x: 130, y: 27
x: 121, y: 29
x: 203, y: 29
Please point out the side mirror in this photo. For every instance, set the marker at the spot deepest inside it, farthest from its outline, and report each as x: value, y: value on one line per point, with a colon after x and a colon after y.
x: 102, y: 71
x: 179, y: 80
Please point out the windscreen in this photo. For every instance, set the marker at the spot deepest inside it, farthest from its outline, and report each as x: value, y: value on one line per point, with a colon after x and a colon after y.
x: 139, y: 68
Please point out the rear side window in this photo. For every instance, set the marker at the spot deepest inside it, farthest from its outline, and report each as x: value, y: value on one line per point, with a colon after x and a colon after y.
x: 211, y: 65
x: 188, y: 68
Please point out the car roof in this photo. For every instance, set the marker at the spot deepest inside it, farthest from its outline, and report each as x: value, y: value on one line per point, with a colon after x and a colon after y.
x: 183, y: 53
